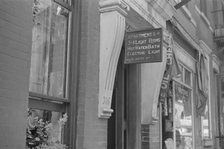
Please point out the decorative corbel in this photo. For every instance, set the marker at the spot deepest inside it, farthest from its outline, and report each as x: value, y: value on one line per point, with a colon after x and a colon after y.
x: 112, y: 29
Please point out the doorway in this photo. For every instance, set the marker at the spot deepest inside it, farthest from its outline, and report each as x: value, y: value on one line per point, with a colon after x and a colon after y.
x: 124, y: 125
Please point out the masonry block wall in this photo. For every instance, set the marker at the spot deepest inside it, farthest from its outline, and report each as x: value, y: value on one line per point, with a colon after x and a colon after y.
x: 91, y: 131
x: 15, y: 47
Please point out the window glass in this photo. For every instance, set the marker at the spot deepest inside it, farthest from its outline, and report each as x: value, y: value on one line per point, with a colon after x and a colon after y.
x: 49, y: 48
x: 48, y: 75
x: 183, y: 117
x: 187, y: 77
x: 205, y: 123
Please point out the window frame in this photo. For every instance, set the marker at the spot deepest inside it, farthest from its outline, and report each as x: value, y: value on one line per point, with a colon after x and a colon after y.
x: 182, y: 79
x: 190, y: 87
x: 68, y: 105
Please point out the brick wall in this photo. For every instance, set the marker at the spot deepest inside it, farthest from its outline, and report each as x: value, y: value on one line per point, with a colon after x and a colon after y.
x: 15, y: 41
x: 91, y: 131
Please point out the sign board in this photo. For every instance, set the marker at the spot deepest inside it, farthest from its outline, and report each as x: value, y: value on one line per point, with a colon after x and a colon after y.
x: 145, y: 136
x: 143, y: 46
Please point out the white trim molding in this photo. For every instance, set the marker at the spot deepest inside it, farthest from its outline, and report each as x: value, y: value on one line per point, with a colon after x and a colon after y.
x: 112, y: 29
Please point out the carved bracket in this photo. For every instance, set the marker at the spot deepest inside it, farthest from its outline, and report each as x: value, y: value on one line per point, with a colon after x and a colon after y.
x: 112, y: 29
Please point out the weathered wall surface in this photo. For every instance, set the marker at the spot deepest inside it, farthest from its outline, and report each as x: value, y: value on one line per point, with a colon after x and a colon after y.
x: 15, y: 41
x: 91, y: 131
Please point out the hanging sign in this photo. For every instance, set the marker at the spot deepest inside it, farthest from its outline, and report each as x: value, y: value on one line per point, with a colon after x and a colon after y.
x: 145, y: 136
x: 143, y: 46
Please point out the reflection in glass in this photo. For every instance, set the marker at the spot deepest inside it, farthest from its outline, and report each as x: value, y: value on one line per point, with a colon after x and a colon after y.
x: 49, y: 48
x: 183, y: 117
x: 205, y: 123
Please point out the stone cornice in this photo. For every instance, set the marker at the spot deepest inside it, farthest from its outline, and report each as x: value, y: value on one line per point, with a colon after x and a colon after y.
x: 114, y: 5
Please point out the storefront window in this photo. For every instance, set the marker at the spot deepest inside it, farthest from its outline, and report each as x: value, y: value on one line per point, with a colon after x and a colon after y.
x: 183, y: 124
x: 177, y: 121
x: 49, y: 48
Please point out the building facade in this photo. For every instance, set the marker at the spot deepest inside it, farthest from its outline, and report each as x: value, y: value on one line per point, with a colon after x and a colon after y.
x: 65, y: 79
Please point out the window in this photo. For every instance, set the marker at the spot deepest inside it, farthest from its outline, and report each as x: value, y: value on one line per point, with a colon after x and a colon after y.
x: 220, y: 105
x: 183, y: 117
x: 177, y: 112
x: 49, y: 49
x: 186, y: 77
x: 182, y: 111
x: 48, y: 100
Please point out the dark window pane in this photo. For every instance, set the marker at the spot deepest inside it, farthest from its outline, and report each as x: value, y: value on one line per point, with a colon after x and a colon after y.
x: 222, y: 85
x: 187, y: 77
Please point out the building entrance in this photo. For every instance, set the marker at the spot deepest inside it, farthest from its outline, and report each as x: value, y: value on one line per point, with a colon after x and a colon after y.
x: 124, y: 124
